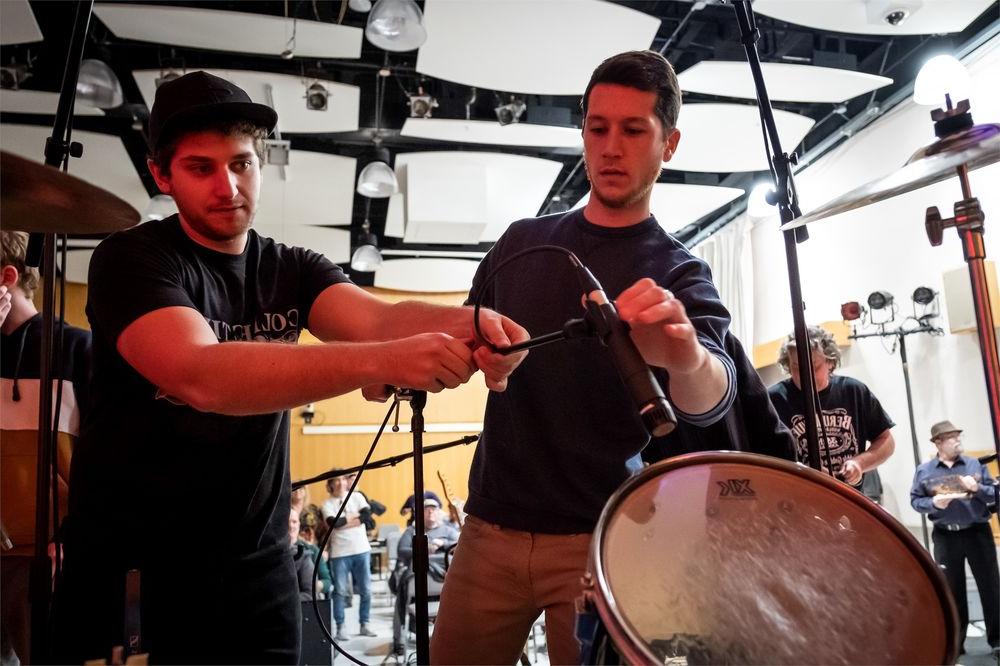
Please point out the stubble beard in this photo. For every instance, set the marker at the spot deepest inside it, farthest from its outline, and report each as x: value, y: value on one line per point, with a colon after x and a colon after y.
x: 631, y: 197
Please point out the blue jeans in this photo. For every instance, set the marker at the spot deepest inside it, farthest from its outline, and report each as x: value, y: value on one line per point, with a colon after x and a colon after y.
x: 359, y: 567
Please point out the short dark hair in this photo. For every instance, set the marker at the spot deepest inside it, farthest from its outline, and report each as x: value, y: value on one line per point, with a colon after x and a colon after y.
x: 647, y: 71
x: 167, y: 145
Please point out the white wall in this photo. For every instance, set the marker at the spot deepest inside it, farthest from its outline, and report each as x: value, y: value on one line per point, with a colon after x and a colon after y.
x: 884, y: 246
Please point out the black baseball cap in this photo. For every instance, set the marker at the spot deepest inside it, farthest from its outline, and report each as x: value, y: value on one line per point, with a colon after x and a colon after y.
x: 202, y: 96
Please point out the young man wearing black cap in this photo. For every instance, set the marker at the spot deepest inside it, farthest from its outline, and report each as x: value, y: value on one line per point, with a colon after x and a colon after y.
x: 957, y: 491
x: 179, y: 417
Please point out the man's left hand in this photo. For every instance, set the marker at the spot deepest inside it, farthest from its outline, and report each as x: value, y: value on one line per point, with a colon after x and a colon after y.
x: 501, y: 332
x: 661, y: 328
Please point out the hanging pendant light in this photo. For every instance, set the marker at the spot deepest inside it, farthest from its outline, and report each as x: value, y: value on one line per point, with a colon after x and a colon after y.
x: 377, y: 180
x: 98, y: 86
x: 396, y: 25
x: 366, y: 257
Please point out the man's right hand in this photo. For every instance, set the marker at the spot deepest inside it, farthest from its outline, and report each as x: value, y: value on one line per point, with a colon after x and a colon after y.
x: 428, y: 362
x: 941, y: 502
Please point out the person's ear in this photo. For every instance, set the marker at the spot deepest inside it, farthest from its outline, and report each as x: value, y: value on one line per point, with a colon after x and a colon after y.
x: 670, y: 145
x: 162, y: 180
x: 9, y: 276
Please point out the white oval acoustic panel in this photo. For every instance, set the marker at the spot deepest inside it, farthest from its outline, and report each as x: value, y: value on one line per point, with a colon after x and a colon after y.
x: 868, y: 17
x: 288, y: 93
x: 542, y: 47
x: 676, y: 205
x: 493, y: 133
x: 426, y: 275
x: 221, y: 30
x: 786, y: 82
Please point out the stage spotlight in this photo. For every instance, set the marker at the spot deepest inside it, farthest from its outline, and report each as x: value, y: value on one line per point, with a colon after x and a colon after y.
x: 879, y: 300
x: 422, y: 105
x: 923, y: 295
x: 316, y: 97
x: 13, y: 75
x: 510, y: 113
x: 366, y: 257
x: 851, y: 311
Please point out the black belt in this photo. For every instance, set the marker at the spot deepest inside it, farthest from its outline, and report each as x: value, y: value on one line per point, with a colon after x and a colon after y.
x: 956, y: 528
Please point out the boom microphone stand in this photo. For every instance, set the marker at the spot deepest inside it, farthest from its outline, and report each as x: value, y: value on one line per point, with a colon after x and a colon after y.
x: 784, y: 195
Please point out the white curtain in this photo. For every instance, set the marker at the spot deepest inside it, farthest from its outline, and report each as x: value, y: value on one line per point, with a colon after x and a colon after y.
x: 729, y: 255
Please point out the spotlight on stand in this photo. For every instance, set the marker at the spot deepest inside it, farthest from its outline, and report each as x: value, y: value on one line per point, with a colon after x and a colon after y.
x: 852, y: 311
x: 510, y: 113
x: 882, y: 302
x: 317, y: 97
x: 925, y: 299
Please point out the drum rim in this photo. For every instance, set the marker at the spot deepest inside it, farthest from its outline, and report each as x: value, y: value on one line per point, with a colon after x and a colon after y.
x: 626, y: 639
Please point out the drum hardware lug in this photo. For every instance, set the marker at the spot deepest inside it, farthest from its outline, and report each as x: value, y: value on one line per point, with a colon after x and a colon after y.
x: 934, y: 225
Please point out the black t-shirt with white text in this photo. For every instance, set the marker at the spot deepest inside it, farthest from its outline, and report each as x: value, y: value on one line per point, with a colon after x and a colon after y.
x: 852, y: 416
x: 153, y: 477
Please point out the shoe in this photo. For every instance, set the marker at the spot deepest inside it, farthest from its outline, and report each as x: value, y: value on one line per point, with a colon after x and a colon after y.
x: 365, y: 631
x: 340, y: 634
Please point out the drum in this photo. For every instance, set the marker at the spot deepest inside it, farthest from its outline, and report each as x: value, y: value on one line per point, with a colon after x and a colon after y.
x: 737, y: 558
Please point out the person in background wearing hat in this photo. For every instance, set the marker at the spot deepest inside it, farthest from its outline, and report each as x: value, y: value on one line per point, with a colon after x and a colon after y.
x: 194, y: 319
x: 858, y: 437
x: 956, y: 492
x: 440, y: 535
x: 407, y: 509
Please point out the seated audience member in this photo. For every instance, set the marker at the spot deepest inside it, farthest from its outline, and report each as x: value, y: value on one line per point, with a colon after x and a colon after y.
x: 407, y: 508
x: 304, y: 564
x: 439, y: 536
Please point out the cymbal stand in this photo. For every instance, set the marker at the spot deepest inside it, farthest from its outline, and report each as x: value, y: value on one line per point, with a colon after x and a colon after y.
x: 784, y: 195
x: 57, y: 149
x: 969, y: 221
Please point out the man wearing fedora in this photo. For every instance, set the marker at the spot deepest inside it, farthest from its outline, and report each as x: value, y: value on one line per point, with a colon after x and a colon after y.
x: 957, y: 493
x: 194, y: 319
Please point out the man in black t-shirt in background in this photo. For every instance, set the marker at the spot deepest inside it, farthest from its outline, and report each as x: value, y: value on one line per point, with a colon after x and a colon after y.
x: 194, y: 319
x: 858, y: 437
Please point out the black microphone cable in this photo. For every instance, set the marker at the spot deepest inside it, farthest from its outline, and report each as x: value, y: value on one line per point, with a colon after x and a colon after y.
x: 326, y: 538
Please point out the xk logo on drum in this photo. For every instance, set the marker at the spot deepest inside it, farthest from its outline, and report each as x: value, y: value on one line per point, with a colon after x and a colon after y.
x: 736, y: 488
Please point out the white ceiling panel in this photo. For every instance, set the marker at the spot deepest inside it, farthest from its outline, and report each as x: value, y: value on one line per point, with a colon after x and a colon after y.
x: 459, y: 218
x: 316, y: 188
x: 493, y: 133
x: 727, y: 137
x: 220, y: 30
x: 500, y: 45
x: 676, y: 205
x: 39, y: 101
x: 17, y: 23
x: 105, y: 163
x: 867, y: 17
x: 288, y: 92
x: 516, y: 187
x: 426, y: 275
x: 785, y: 82
x: 334, y: 244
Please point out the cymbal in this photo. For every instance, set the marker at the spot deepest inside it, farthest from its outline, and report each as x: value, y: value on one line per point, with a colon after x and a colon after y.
x: 42, y: 199
x: 976, y: 147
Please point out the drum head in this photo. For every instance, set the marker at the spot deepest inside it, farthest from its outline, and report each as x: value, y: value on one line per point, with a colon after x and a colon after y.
x: 733, y: 558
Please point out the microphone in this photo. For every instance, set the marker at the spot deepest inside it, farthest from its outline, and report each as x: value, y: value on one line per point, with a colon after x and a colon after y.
x: 654, y: 410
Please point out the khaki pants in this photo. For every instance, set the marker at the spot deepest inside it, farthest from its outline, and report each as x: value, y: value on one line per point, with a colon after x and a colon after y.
x: 498, y: 584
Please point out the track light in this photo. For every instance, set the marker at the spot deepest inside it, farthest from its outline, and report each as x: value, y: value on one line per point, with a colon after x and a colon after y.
x: 422, y: 104
x: 377, y: 180
x: 169, y: 75
x: 510, y: 113
x: 317, y: 97
x: 13, y: 75
x: 879, y: 300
